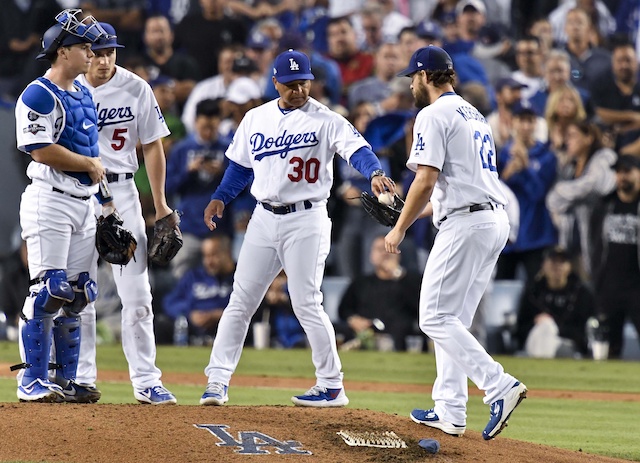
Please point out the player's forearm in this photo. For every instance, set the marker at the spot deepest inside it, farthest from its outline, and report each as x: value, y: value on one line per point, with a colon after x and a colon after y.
x: 234, y: 180
x: 417, y: 198
x: 61, y: 158
x: 365, y: 161
x: 427, y: 211
x: 155, y: 163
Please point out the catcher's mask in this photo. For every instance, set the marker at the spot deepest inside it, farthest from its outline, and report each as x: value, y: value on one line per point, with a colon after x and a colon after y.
x: 71, y: 29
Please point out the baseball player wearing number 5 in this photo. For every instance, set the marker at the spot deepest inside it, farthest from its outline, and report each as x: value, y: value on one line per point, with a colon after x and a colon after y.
x: 454, y: 158
x: 56, y: 123
x: 287, y: 145
x: 128, y: 112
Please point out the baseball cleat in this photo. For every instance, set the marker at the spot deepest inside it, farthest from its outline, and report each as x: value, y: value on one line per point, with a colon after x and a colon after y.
x: 215, y: 394
x: 156, y: 395
x: 431, y: 419
x: 81, y: 393
x: 501, y: 410
x: 319, y: 396
x: 40, y: 390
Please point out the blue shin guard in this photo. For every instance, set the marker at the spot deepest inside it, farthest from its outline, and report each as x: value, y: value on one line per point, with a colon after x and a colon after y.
x: 66, y: 335
x: 36, y: 339
x: 34, y: 386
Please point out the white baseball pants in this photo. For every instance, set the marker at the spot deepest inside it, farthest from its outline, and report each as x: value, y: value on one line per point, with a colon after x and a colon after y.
x: 457, y: 273
x: 298, y: 242
x: 132, y: 282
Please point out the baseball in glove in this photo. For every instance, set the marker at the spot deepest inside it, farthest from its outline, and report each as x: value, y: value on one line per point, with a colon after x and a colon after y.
x: 167, y: 239
x: 114, y: 243
x: 386, y: 215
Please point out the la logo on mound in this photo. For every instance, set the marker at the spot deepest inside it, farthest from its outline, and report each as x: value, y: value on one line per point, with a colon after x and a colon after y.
x: 252, y: 442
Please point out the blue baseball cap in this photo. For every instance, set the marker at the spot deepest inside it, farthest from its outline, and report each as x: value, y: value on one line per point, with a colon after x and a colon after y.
x: 292, y: 65
x: 110, y: 41
x: 258, y: 40
x: 509, y: 82
x: 429, y: 30
x: 162, y: 80
x: 429, y: 58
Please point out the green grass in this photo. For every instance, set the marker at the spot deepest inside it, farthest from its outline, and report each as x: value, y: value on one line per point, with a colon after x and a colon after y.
x: 601, y: 427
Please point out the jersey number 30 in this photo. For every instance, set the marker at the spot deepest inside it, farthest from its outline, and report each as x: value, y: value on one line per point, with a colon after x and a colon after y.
x: 308, y: 170
x: 484, y: 144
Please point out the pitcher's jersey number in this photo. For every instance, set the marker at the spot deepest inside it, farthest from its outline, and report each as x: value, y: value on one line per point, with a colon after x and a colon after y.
x: 483, y: 144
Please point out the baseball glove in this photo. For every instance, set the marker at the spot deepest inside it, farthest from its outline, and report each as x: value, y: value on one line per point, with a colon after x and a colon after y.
x: 167, y: 239
x: 385, y: 215
x: 114, y: 243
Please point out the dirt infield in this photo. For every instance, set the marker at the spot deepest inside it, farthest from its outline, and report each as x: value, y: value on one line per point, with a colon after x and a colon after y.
x: 140, y: 434
x: 193, y: 434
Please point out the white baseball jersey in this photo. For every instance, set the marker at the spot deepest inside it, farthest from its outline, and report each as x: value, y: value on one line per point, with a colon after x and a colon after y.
x: 468, y: 173
x: 454, y: 137
x: 33, y: 128
x: 127, y: 111
x: 291, y: 152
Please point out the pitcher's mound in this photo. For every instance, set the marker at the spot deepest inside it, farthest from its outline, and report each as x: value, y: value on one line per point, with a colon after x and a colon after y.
x: 194, y: 434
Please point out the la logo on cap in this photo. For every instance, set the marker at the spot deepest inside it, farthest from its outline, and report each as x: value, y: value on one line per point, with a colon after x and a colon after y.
x: 419, y: 64
x: 293, y: 65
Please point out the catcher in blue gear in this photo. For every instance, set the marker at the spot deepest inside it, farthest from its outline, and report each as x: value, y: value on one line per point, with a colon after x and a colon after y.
x: 56, y: 125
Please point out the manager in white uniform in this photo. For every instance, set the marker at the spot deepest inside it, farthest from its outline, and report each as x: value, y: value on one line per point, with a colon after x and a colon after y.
x: 287, y: 145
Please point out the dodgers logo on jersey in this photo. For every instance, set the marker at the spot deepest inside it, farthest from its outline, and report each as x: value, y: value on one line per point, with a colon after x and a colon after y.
x: 111, y: 116
x: 261, y: 144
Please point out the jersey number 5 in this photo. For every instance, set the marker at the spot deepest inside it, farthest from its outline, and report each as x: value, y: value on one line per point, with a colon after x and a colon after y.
x: 308, y: 170
x: 484, y: 143
x: 118, y: 139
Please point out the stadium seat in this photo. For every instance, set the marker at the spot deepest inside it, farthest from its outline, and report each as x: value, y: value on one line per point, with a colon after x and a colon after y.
x: 631, y: 346
x: 333, y: 287
x: 501, y: 312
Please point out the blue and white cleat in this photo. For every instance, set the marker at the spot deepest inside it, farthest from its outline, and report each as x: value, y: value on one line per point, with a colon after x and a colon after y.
x: 501, y: 410
x: 319, y: 396
x: 215, y: 394
x: 40, y: 390
x: 431, y: 419
x: 156, y: 395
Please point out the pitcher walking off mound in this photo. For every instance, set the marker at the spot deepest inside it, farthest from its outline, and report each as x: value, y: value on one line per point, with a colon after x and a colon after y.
x: 454, y: 158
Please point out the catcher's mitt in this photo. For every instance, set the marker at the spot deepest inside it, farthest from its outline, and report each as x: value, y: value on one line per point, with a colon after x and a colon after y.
x: 386, y: 215
x: 167, y: 239
x: 114, y: 243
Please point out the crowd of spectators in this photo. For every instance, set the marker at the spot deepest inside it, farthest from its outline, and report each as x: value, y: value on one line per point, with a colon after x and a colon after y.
x: 557, y: 81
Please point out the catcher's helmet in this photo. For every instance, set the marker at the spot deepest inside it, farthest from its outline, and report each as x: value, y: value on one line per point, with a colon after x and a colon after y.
x: 71, y: 29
